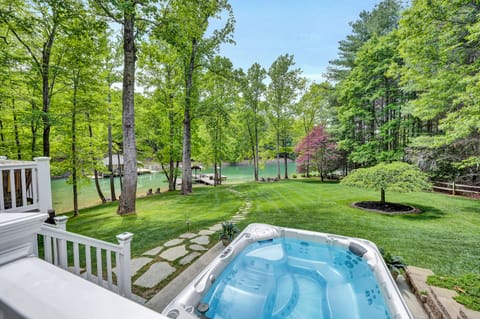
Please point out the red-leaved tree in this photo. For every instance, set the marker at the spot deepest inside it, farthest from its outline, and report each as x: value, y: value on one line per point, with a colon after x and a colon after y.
x: 316, y: 150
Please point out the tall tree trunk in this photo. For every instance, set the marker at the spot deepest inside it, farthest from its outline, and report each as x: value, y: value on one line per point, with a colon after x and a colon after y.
x: 33, y: 130
x: 15, y: 130
x: 120, y: 171
x: 252, y: 145
x: 129, y: 191
x: 46, y: 90
x: 256, y: 154
x: 110, y: 146
x: 278, y: 155
x: 285, y: 157
x: 110, y: 164
x: 177, y: 165
x: 74, y: 150
x: 172, y: 169
x: 95, y: 172
x: 187, y: 139
x: 2, y: 137
x: 220, y: 154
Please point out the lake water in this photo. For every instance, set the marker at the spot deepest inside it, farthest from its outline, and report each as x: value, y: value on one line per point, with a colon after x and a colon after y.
x: 62, y: 194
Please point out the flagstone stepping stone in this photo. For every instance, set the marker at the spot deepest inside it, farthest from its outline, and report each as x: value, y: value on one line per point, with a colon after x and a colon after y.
x: 173, y: 242
x: 216, y: 227
x: 188, y: 259
x: 154, y: 275
x: 202, y: 240
x: 188, y: 235
x: 153, y: 252
x: 206, y: 232
x: 136, y: 264
x: 197, y: 247
x: 174, y: 253
x: 238, y: 218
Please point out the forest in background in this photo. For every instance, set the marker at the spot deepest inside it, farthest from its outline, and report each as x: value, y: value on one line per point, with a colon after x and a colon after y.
x: 404, y: 87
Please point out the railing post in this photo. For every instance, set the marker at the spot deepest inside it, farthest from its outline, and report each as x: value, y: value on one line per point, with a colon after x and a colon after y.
x: 61, y: 222
x: 43, y: 186
x: 123, y: 276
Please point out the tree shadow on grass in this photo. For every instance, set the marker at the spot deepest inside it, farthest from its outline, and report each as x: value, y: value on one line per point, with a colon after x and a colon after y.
x: 426, y: 213
x: 315, y: 181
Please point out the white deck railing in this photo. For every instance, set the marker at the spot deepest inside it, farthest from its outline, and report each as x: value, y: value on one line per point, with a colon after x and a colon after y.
x: 25, y: 185
x: 90, y: 258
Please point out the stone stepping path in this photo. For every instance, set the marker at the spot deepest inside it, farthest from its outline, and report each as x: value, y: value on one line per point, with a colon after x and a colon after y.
x: 154, y: 275
x: 202, y: 240
x: 174, y: 253
x: 162, y: 261
x: 154, y: 251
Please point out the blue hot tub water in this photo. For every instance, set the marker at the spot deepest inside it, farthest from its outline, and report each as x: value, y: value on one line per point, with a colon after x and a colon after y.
x: 290, y: 278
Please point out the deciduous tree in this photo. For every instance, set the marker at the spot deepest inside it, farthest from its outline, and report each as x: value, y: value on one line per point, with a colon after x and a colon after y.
x: 253, y: 90
x: 395, y: 177
x: 316, y: 149
x: 283, y: 90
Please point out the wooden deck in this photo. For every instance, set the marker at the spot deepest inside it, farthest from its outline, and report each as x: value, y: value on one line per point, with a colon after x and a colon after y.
x: 207, y: 179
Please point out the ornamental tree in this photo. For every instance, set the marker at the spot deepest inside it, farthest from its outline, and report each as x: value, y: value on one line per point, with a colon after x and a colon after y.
x: 396, y: 177
x: 317, y: 150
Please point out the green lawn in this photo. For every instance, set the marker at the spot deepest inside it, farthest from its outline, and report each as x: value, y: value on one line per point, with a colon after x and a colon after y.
x: 445, y: 237
x: 159, y: 217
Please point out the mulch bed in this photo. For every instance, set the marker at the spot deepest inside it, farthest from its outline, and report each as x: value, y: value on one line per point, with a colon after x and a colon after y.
x: 386, y: 208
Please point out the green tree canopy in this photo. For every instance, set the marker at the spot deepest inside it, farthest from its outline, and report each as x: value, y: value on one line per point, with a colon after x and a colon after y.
x: 394, y: 177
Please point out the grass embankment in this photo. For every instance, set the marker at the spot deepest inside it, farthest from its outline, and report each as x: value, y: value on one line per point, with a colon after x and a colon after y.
x: 445, y: 237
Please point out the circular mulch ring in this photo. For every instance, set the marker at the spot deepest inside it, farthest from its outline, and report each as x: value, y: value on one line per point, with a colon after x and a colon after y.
x: 386, y: 208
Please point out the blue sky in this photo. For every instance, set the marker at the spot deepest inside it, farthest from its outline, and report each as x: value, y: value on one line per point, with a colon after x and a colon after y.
x: 308, y: 29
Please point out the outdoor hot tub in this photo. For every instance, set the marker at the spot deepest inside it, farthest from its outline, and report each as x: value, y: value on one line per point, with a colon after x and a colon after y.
x: 276, y: 272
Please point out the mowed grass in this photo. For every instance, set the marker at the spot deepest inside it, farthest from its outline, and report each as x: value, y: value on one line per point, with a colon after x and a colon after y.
x: 159, y: 218
x: 445, y: 237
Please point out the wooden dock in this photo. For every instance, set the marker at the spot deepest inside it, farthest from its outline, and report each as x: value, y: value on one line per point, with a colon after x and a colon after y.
x: 207, y: 179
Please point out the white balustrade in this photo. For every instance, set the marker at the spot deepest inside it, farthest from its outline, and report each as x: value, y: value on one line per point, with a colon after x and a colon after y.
x: 58, y: 244
x: 25, y: 185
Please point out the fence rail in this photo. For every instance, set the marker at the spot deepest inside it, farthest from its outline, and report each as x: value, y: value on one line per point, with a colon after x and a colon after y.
x: 101, y: 259
x: 25, y: 185
x: 456, y: 189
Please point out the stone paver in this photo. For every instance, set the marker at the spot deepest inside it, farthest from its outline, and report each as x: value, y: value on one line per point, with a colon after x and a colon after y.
x: 174, y: 253
x: 197, y: 248
x: 238, y: 218
x: 157, y: 272
x: 206, y: 232
x: 153, y: 252
x: 173, y: 288
x: 216, y: 227
x: 173, y: 242
x: 188, y: 258
x: 136, y: 264
x: 202, y: 240
x: 188, y: 235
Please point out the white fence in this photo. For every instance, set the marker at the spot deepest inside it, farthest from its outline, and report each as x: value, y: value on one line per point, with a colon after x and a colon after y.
x: 25, y: 186
x: 90, y: 258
